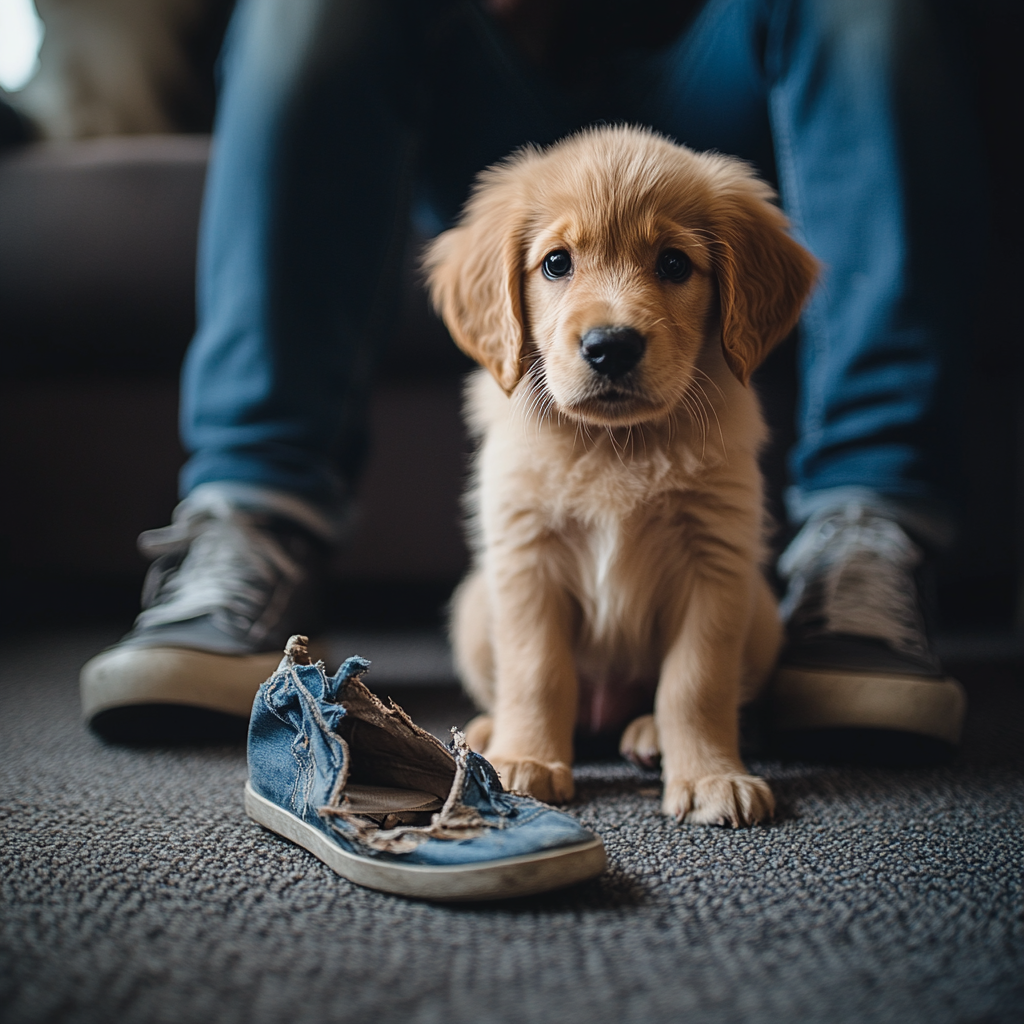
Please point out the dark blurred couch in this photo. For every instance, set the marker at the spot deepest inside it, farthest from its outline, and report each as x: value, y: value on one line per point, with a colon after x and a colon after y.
x: 97, y: 258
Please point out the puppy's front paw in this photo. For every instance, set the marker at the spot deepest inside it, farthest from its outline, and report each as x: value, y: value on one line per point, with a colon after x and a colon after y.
x: 719, y: 800
x: 639, y: 742
x: 550, y: 781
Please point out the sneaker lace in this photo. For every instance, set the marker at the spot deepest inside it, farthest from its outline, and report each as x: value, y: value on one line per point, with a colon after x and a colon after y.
x: 232, y: 570
x: 852, y: 572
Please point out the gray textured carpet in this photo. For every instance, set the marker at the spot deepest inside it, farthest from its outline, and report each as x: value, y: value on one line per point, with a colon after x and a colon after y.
x: 134, y: 889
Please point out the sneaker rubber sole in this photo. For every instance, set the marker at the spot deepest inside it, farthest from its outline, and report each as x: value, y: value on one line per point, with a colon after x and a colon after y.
x: 857, y: 715
x: 498, y: 879
x: 131, y: 676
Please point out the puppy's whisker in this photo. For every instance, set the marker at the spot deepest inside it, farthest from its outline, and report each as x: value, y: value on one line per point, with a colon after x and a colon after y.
x: 535, y: 402
x: 714, y: 412
x: 522, y: 397
x: 685, y: 404
x: 707, y: 420
x: 699, y: 410
x: 697, y: 419
x: 549, y: 404
x: 696, y: 404
x: 615, y: 447
x: 588, y: 441
x: 705, y: 427
x: 711, y: 380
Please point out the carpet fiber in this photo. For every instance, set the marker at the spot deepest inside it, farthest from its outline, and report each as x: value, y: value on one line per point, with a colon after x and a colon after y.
x: 134, y: 889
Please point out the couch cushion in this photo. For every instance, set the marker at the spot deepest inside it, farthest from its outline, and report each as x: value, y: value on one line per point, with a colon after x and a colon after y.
x: 97, y: 263
x: 97, y: 253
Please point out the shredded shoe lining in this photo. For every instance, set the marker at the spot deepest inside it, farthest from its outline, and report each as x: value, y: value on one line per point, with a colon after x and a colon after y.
x: 388, y: 751
x: 362, y: 799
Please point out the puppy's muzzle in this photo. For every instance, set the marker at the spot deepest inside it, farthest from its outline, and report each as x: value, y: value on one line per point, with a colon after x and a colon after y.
x: 612, y: 351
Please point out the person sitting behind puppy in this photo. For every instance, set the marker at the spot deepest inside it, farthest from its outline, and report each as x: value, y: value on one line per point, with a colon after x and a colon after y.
x: 338, y: 122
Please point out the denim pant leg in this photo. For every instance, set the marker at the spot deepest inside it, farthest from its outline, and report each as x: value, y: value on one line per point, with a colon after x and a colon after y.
x: 306, y: 200
x: 326, y: 111
x: 708, y: 90
x: 847, y: 106
x: 872, y: 145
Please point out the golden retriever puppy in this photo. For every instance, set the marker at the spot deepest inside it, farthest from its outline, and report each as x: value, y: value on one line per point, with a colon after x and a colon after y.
x: 619, y: 290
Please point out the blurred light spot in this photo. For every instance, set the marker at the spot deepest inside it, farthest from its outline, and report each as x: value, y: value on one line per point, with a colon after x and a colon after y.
x: 21, y: 33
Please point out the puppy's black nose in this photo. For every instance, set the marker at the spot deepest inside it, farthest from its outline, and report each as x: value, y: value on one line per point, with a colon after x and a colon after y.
x: 612, y: 351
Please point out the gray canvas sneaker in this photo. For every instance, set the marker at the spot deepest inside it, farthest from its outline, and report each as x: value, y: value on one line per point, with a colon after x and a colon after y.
x: 858, y: 680
x: 232, y: 575
x: 358, y: 784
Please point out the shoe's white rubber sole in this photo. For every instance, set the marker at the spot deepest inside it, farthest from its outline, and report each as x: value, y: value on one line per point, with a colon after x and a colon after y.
x: 830, y: 699
x: 499, y: 879
x: 124, y: 677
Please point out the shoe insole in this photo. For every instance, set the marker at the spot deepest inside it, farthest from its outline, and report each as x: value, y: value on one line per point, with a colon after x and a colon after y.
x: 388, y: 800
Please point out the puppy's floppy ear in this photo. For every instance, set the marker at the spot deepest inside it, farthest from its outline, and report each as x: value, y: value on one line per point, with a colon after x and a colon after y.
x: 474, y: 274
x: 763, y: 275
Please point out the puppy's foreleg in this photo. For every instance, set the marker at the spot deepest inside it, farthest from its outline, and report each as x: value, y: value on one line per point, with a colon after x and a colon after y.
x: 697, y: 708
x: 764, y: 641
x: 639, y: 742
x: 535, y: 694
x: 470, y: 634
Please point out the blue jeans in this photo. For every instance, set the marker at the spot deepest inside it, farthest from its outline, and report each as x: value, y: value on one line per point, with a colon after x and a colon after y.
x: 339, y: 121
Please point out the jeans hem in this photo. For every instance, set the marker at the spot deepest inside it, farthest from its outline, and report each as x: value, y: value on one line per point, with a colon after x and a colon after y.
x: 927, y: 520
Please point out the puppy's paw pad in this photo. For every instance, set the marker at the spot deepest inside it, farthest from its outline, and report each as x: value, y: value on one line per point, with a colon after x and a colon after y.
x: 732, y: 799
x: 478, y: 732
x: 550, y: 781
x: 639, y: 742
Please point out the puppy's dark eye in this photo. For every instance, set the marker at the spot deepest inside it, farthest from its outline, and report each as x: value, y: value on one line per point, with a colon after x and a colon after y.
x: 674, y: 265
x: 556, y: 264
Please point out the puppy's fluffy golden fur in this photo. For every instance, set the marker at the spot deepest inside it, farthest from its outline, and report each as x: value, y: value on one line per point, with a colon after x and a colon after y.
x: 618, y: 519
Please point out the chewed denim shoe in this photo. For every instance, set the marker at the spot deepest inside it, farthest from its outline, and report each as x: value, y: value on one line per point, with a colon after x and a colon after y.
x: 388, y: 806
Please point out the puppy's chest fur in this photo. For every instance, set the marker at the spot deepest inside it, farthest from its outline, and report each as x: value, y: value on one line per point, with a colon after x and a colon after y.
x: 620, y: 522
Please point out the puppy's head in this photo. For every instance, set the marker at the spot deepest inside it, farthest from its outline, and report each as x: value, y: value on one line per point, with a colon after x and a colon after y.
x: 602, y: 265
